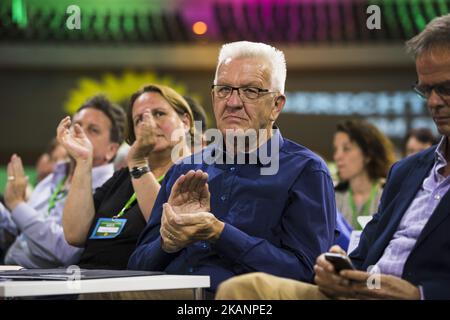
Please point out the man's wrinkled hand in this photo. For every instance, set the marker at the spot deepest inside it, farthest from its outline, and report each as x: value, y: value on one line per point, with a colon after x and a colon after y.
x: 390, y: 287
x: 190, y: 193
x: 330, y: 283
x: 180, y: 230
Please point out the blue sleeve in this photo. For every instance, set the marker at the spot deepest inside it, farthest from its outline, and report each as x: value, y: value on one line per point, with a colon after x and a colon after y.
x: 307, y: 229
x: 148, y: 254
x: 344, y: 230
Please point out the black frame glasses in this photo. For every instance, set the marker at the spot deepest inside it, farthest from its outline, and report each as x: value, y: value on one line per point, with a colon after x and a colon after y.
x: 247, y: 93
x: 441, y: 89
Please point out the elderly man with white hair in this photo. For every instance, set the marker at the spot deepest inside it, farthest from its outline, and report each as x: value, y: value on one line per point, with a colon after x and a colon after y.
x: 255, y: 201
x: 404, y: 250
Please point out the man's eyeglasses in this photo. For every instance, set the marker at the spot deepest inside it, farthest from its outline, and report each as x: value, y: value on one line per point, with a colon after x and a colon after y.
x: 441, y: 89
x: 245, y: 93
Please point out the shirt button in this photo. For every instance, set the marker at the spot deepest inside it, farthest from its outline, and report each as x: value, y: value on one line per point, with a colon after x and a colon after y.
x: 437, y: 197
x: 204, y: 245
x: 223, y: 197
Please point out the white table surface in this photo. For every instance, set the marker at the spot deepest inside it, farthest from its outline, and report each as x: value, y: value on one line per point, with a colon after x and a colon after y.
x: 9, y: 289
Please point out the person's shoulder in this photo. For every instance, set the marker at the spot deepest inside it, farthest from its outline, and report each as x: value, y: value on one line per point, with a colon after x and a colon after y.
x: 120, y: 175
x: 426, y: 155
x: 303, y: 155
x: 403, y: 168
x: 123, y: 172
x: 45, y: 182
x: 195, y: 160
x: 53, y: 178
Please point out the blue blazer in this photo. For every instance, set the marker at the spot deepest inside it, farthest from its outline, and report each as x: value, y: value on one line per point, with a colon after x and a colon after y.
x: 428, y: 265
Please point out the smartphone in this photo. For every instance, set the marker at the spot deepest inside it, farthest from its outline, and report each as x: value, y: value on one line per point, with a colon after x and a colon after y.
x: 339, y: 261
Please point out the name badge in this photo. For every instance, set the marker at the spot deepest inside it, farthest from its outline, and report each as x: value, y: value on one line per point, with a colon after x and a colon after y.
x: 108, y: 228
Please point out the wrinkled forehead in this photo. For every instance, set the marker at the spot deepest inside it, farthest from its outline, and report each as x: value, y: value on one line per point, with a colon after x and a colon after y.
x: 434, y: 65
x: 245, y: 68
x: 149, y: 101
x: 91, y: 115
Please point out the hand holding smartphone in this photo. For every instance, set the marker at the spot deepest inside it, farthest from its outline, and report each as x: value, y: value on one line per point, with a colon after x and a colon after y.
x: 339, y: 261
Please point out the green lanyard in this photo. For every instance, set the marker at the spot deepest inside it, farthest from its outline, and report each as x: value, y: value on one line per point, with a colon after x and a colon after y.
x: 54, y: 198
x: 365, y: 208
x: 131, y: 200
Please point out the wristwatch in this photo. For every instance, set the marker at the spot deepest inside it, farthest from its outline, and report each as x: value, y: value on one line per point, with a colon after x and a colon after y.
x: 137, y: 172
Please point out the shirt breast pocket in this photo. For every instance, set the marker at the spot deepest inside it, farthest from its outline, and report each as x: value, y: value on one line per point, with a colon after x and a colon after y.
x: 257, y: 217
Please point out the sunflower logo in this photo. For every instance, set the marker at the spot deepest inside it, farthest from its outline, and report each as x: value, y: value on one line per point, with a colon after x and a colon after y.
x: 117, y: 88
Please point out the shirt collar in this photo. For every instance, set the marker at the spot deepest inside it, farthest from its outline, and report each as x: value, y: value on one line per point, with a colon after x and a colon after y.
x: 62, y: 168
x: 440, y: 151
x: 60, y: 171
x: 261, y: 157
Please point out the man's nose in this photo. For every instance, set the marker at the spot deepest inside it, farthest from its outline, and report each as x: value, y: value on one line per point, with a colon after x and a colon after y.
x: 234, y: 100
x: 435, y: 100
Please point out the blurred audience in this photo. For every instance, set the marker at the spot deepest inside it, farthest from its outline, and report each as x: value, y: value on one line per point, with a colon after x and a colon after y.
x: 418, y: 140
x: 36, y: 223
x: 363, y: 157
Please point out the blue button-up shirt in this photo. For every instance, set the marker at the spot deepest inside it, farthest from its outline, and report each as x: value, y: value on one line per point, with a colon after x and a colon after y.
x: 275, y: 223
x: 40, y: 242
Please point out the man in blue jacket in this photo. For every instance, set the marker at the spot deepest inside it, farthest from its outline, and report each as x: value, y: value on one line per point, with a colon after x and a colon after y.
x: 404, y: 251
x: 264, y: 205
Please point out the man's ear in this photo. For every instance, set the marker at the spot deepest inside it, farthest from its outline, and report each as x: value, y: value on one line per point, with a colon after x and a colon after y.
x: 112, y: 151
x: 278, y: 107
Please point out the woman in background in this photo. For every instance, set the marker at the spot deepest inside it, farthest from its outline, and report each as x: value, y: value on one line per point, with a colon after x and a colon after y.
x: 108, y: 224
x: 363, y: 157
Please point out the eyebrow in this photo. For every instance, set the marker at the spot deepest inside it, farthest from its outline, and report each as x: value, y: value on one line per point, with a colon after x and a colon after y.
x: 88, y: 124
x: 158, y: 108
x: 250, y: 84
x: 434, y: 84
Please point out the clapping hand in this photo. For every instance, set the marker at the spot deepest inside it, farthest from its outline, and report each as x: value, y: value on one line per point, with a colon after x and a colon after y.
x: 15, y: 190
x: 186, y: 217
x: 74, y: 140
x: 190, y: 193
x: 144, y: 143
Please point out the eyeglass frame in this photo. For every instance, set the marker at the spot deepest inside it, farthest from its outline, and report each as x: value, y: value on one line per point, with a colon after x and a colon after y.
x: 261, y: 92
x: 434, y: 88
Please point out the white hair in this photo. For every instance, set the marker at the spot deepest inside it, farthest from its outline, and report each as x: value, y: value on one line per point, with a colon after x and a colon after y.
x: 246, y: 49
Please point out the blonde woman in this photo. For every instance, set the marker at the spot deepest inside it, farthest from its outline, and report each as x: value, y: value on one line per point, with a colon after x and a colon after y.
x: 108, y: 224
